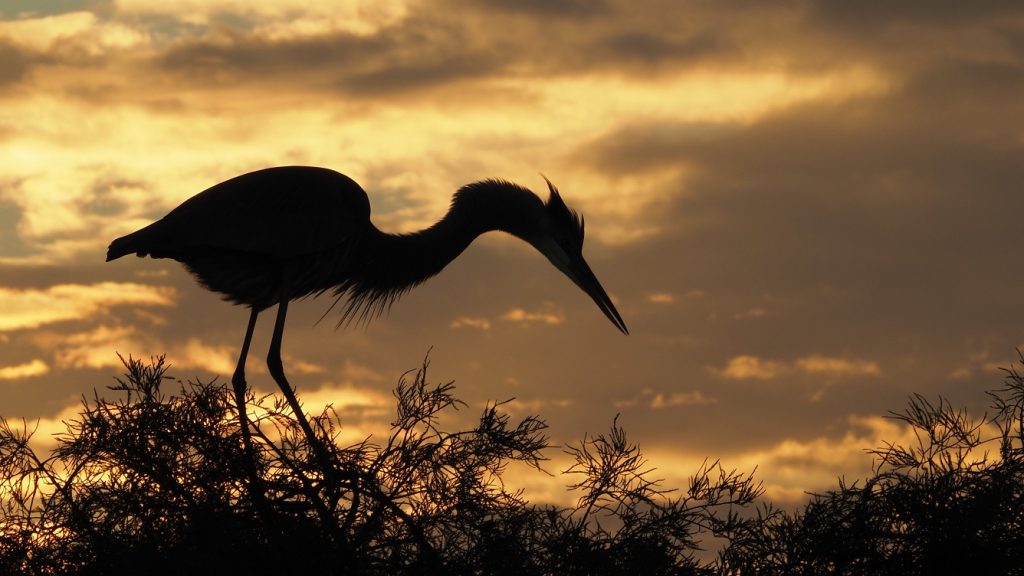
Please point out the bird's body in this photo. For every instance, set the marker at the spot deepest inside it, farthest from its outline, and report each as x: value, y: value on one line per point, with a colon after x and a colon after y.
x: 238, y: 236
x: 241, y: 237
x: 274, y: 235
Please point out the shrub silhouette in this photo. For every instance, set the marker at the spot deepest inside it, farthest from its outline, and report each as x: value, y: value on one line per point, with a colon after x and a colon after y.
x: 952, y: 502
x: 159, y: 484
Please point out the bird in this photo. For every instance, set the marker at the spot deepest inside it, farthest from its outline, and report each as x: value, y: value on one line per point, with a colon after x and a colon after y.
x: 278, y: 234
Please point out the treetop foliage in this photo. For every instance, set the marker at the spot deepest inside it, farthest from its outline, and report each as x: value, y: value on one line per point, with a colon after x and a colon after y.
x: 159, y: 483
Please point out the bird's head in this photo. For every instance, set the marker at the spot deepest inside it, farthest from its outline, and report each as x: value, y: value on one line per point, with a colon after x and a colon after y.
x: 560, y: 238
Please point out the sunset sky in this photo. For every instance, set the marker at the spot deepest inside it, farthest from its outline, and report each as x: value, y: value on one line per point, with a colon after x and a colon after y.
x: 805, y: 211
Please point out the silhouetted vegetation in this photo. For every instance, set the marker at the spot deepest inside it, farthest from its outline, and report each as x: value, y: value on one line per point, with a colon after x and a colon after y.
x: 159, y: 483
x: 951, y: 502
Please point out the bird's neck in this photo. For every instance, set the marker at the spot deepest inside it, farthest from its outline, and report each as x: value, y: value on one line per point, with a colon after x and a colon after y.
x: 402, y: 261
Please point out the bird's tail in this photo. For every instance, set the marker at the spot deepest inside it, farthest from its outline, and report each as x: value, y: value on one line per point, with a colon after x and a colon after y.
x: 125, y: 245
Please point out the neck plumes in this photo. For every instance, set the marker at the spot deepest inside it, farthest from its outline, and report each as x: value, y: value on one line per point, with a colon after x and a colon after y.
x: 390, y: 264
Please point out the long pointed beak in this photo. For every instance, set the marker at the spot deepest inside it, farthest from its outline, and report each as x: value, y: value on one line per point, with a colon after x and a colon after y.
x: 579, y: 272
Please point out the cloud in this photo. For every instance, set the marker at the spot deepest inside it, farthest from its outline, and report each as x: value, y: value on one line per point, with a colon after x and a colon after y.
x: 751, y: 367
x: 418, y: 54
x: 755, y: 312
x: 47, y: 428
x: 545, y: 8
x: 660, y: 298
x: 302, y: 366
x: 141, y: 96
x: 64, y: 213
x: 31, y: 308
x: 99, y: 348
x: 96, y: 348
x: 14, y: 64
x: 748, y: 367
x: 839, y: 204
x: 197, y: 354
x: 470, y: 322
x: 878, y: 15
x: 979, y: 362
x: 360, y: 374
x: 828, y: 366
x: 548, y: 315
x: 692, y: 398
x: 27, y: 370
x: 277, y: 18
x: 71, y: 35
x: 790, y: 468
x: 522, y: 407
x: 364, y: 411
x: 793, y: 466
x: 657, y: 400
x: 448, y: 49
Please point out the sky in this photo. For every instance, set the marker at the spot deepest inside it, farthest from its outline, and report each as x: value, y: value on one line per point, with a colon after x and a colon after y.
x: 805, y: 211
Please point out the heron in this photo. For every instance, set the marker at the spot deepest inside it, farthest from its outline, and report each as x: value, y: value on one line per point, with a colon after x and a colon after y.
x: 274, y: 235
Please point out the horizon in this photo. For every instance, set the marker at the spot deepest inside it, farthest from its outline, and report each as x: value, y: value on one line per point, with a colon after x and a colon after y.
x: 803, y: 212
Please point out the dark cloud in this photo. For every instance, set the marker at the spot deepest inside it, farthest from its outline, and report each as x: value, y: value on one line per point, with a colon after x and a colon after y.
x: 642, y: 49
x: 13, y: 8
x: 445, y: 47
x: 391, y: 80
x: 14, y: 65
x: 950, y: 120
x: 543, y: 8
x: 103, y: 196
x: 1015, y: 39
x: 878, y: 228
x: 869, y: 14
x: 408, y: 58
x: 11, y: 245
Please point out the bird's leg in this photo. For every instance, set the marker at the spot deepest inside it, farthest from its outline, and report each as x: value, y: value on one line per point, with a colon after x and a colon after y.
x: 277, y: 372
x: 238, y: 382
x: 331, y: 474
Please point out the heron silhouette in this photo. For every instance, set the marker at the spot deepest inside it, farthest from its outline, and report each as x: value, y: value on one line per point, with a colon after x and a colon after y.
x: 274, y: 235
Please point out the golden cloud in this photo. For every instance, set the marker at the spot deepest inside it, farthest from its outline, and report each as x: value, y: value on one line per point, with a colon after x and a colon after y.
x: 656, y: 400
x: 789, y: 468
x: 660, y: 298
x: 96, y: 348
x: 280, y: 19
x: 470, y: 322
x: 751, y: 313
x: 79, y: 31
x: 815, y: 364
x: 520, y: 406
x: 548, y: 315
x: 46, y: 429
x: 31, y: 308
x: 751, y: 367
x: 99, y: 348
x: 363, y: 410
x: 748, y: 367
x: 693, y: 398
x: 58, y: 163
x: 197, y: 354
x: 354, y: 372
x: 792, y: 467
x: 302, y: 366
x: 27, y: 370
